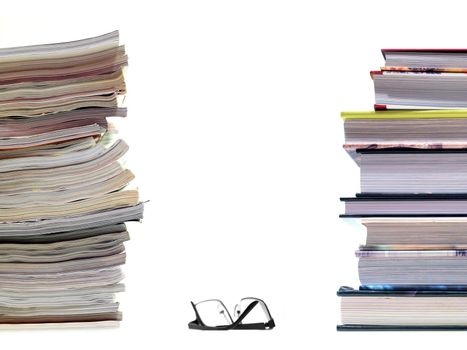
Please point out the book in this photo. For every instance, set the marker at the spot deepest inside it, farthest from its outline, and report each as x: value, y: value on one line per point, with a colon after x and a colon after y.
x: 419, y: 90
x: 427, y: 59
x: 448, y: 232
x: 402, y: 310
x: 405, y: 206
x: 408, y: 129
x: 420, y: 267
x: 406, y: 171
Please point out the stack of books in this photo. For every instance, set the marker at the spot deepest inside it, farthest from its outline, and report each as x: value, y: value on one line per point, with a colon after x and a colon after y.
x: 412, y: 154
x: 63, y: 190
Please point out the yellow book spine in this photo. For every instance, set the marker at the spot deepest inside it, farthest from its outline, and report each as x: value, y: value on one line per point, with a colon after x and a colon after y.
x: 396, y: 114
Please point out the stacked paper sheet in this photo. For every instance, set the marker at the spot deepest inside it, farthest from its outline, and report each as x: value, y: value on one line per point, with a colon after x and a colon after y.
x: 63, y: 190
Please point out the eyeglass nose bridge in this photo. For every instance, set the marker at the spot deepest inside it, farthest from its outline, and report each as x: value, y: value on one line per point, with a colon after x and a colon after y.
x: 237, y: 310
x: 221, y: 309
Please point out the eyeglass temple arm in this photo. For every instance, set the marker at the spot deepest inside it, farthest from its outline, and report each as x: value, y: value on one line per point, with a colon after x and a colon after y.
x: 198, y: 318
x: 239, y: 325
x: 263, y: 305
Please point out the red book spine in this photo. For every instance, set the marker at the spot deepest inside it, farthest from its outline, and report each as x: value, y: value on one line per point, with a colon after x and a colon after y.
x: 379, y: 107
x: 375, y: 72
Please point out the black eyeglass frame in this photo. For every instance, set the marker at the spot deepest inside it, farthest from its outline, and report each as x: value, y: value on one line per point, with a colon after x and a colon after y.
x: 237, y: 324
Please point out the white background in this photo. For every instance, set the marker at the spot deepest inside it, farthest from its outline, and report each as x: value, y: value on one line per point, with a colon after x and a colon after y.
x: 235, y: 139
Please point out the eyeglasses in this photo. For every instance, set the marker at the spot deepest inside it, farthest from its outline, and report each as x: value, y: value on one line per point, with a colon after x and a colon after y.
x: 213, y: 315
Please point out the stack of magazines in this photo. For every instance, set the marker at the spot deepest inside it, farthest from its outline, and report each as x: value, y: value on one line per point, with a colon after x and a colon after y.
x: 412, y: 154
x: 63, y: 190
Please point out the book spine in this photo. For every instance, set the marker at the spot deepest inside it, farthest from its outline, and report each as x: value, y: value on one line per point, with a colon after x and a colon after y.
x: 380, y: 107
